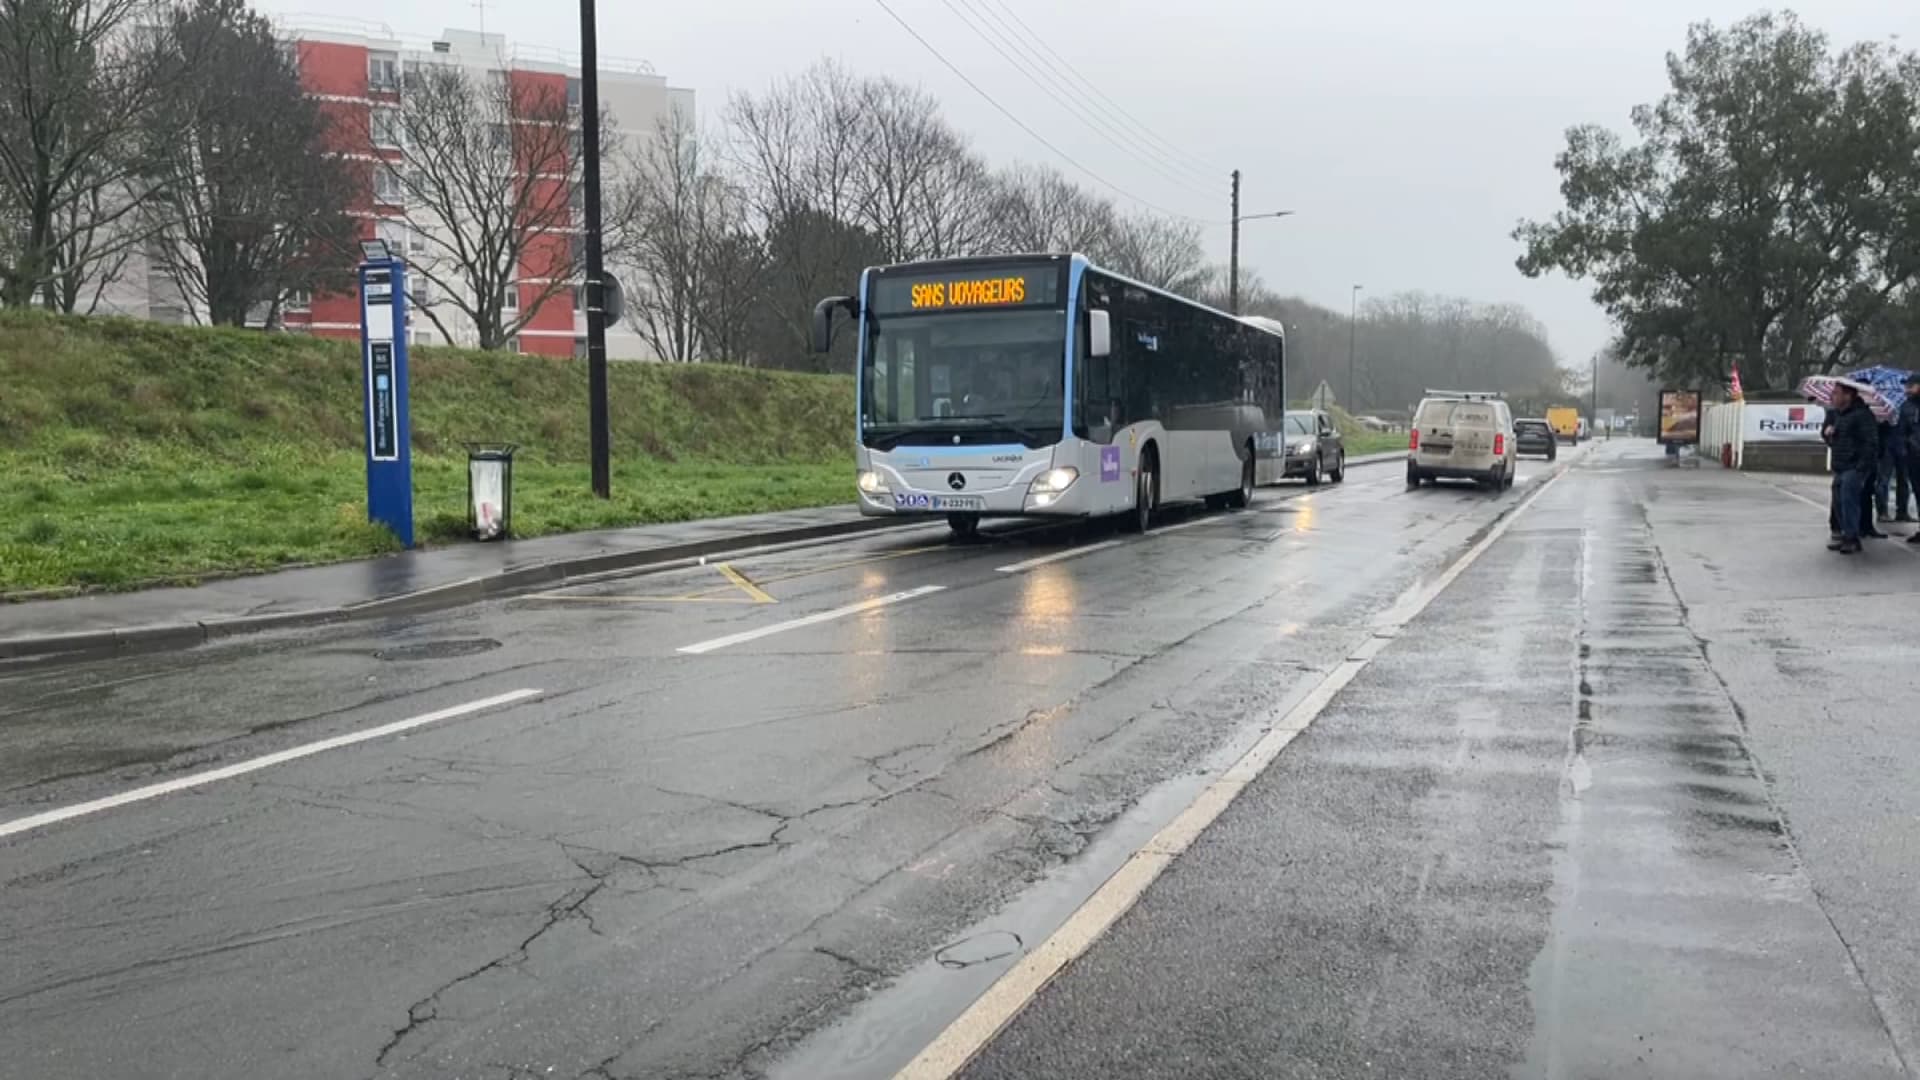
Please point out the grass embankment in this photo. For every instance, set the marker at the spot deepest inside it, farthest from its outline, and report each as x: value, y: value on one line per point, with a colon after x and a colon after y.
x: 134, y: 453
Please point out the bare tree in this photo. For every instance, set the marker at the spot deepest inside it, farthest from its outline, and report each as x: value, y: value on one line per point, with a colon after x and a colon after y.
x: 78, y: 88
x: 798, y: 150
x: 488, y: 172
x: 684, y: 214
x: 1159, y: 251
x: 919, y: 187
x: 1037, y: 209
x: 252, y: 207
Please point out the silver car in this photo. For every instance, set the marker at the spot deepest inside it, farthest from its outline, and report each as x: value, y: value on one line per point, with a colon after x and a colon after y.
x: 1314, y: 447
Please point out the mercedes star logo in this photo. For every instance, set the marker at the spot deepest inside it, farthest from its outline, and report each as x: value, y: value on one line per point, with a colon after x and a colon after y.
x: 956, y: 481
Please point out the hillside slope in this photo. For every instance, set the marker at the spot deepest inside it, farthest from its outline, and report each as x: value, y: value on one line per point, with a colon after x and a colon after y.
x: 136, y: 452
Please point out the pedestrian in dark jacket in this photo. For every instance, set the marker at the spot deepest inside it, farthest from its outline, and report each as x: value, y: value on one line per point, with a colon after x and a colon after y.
x: 1856, y: 448
x: 1906, y: 437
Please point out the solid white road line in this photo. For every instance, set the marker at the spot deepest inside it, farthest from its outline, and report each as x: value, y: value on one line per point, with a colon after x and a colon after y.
x: 976, y: 1027
x: 809, y: 620
x: 1058, y: 556
x: 228, y: 772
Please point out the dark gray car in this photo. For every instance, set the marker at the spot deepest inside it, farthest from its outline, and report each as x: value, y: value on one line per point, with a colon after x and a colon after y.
x: 1314, y: 447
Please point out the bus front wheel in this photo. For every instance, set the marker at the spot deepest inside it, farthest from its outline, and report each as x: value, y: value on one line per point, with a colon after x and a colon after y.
x: 1142, y: 515
x: 964, y: 526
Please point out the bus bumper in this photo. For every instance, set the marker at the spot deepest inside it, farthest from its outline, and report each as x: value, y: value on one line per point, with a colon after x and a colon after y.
x: 1022, y: 499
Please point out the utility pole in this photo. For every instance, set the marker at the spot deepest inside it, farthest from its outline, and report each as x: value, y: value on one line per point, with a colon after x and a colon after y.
x: 1593, y: 411
x: 1353, y: 321
x: 597, y: 419
x: 1233, y: 259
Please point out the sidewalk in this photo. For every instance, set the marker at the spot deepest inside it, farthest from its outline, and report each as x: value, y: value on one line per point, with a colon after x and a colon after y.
x: 1635, y: 796
x: 407, y: 582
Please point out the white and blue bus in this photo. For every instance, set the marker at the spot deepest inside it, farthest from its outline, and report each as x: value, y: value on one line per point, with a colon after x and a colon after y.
x: 1042, y: 385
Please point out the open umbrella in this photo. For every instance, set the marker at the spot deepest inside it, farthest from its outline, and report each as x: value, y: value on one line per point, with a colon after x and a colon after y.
x: 1889, y: 382
x: 1820, y: 388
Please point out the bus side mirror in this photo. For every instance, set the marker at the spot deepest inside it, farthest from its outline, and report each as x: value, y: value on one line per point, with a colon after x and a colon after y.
x: 1099, y: 334
x: 823, y: 321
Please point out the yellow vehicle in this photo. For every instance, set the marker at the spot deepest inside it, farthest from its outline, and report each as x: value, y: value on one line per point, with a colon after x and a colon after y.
x: 1565, y: 423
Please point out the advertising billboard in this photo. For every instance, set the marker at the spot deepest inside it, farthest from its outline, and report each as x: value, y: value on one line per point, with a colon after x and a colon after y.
x: 1679, y: 417
x: 1770, y: 423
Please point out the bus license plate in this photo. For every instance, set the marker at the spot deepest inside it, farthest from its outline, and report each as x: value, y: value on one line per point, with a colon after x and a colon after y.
x: 960, y: 502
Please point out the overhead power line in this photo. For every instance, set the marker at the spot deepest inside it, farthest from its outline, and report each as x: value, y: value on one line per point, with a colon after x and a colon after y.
x: 1209, y: 168
x: 1042, y: 74
x: 1031, y: 133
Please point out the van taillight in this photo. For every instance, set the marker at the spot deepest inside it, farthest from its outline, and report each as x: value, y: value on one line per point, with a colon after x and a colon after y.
x: 1413, y: 439
x: 1499, y: 445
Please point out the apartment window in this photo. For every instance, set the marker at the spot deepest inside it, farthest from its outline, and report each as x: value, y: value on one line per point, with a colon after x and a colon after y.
x: 576, y: 144
x: 510, y: 298
x: 422, y: 337
x: 298, y: 300
x: 513, y: 344
x: 386, y: 185
x: 383, y: 71
x: 499, y: 137
x: 579, y: 348
x: 386, y: 128
x: 579, y: 299
x: 577, y: 199
x: 573, y: 93
x: 577, y: 249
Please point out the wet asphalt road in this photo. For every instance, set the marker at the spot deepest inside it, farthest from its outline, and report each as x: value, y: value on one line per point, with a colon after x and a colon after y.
x: 675, y: 863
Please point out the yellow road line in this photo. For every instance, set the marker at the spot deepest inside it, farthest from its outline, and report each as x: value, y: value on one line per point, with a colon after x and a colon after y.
x: 643, y: 599
x: 745, y: 585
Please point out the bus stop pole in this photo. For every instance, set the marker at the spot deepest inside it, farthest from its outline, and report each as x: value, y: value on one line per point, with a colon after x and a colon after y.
x: 597, y: 418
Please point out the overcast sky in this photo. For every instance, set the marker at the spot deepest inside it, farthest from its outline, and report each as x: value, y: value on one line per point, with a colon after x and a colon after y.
x: 1408, y: 136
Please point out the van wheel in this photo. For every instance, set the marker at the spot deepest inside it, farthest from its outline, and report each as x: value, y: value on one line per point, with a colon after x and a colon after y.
x: 964, y: 526
x: 1243, y: 497
x: 1413, y: 476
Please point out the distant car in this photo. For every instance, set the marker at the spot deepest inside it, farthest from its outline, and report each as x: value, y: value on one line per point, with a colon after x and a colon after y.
x: 1462, y: 436
x: 1314, y: 447
x: 1534, y: 436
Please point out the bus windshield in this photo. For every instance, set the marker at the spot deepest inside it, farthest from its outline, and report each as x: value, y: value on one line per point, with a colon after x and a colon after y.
x: 968, y: 377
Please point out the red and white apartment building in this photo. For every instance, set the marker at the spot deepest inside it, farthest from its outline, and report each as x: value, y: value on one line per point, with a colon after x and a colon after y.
x: 357, y: 71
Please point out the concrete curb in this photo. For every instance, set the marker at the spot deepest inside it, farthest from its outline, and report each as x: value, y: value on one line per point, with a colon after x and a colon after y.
x: 156, y: 637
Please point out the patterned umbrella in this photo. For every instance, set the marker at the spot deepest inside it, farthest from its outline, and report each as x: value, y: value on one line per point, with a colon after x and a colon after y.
x: 1889, y: 382
x: 1820, y: 388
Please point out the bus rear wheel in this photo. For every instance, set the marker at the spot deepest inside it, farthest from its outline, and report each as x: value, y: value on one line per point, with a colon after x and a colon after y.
x: 964, y: 526
x: 1242, y: 497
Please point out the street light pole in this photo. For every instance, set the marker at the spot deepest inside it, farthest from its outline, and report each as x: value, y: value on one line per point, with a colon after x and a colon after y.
x: 1353, y: 320
x: 597, y: 413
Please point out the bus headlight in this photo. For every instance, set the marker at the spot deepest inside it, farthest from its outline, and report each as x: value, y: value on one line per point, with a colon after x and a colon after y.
x: 871, y: 484
x: 1050, y: 485
x: 1055, y: 481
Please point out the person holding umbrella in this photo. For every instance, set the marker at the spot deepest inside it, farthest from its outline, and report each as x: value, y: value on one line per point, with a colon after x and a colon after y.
x: 1907, y: 434
x: 1855, y: 440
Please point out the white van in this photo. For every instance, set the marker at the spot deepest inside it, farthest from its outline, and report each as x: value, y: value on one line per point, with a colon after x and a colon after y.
x: 1462, y: 436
